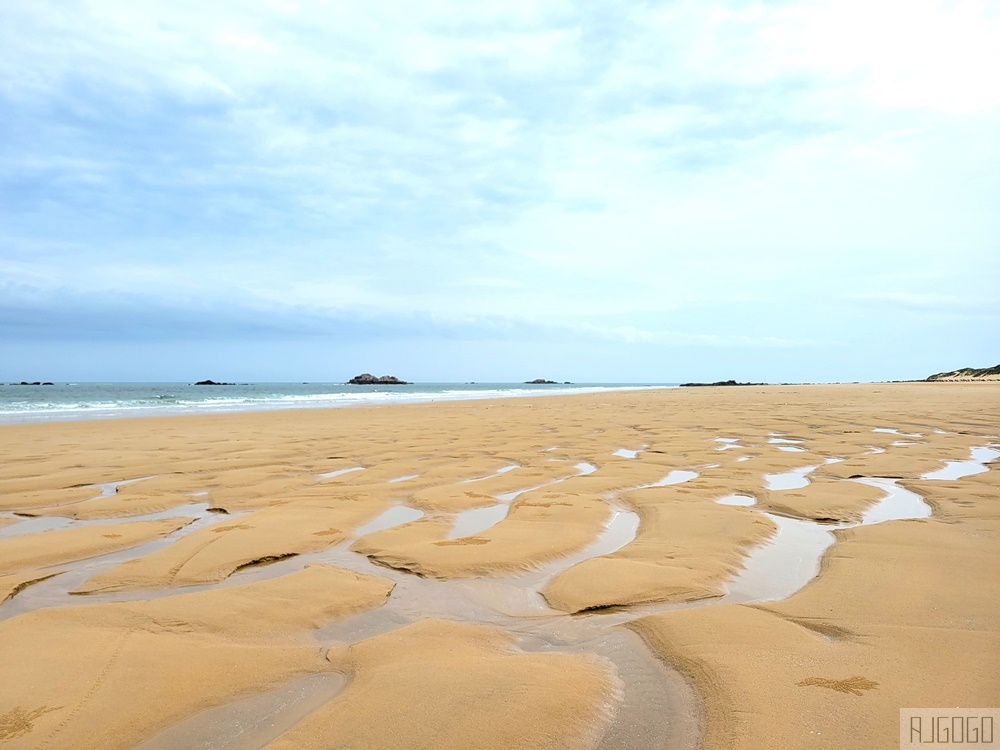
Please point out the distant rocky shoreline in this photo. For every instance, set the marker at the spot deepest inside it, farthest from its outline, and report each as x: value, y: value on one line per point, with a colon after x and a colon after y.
x: 967, y: 373
x: 720, y: 382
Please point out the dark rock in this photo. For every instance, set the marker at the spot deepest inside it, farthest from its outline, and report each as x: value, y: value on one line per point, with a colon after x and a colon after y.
x: 212, y: 382
x: 366, y: 378
x: 720, y: 382
x: 540, y: 381
x: 48, y: 383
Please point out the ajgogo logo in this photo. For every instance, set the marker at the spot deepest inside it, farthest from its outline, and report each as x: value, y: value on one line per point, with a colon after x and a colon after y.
x: 947, y: 727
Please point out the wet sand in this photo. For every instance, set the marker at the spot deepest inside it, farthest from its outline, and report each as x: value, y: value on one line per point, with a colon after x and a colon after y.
x: 748, y: 567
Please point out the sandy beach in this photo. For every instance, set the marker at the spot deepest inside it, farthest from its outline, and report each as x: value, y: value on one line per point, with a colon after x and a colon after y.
x: 720, y: 568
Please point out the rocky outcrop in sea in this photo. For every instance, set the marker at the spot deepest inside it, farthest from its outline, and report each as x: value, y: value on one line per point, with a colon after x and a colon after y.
x: 719, y: 382
x: 366, y: 378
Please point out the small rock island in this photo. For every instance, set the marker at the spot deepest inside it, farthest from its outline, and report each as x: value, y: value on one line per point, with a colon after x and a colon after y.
x: 367, y: 378
x: 212, y: 382
x: 540, y: 381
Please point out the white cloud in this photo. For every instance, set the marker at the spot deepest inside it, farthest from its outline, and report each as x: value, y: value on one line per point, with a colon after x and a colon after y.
x: 909, y: 53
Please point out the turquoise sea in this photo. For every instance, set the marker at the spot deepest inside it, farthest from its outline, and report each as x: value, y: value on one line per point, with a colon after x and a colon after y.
x: 67, y: 401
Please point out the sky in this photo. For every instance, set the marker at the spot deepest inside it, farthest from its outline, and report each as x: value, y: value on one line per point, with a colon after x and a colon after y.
x: 288, y: 190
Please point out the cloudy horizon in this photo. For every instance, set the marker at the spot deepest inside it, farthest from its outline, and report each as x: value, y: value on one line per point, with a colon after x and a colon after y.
x: 658, y: 191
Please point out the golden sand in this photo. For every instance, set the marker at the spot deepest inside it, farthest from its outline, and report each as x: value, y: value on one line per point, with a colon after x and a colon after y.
x: 100, y: 645
x: 13, y: 583
x: 109, y: 675
x: 445, y: 684
x: 32, y: 551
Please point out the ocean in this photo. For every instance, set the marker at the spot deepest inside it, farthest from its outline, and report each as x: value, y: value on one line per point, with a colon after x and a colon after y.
x: 70, y: 401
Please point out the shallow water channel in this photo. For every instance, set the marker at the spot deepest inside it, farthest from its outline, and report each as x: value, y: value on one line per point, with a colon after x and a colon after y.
x: 658, y: 708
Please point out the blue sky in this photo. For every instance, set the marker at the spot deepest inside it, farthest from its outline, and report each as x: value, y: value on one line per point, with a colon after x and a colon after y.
x: 645, y: 191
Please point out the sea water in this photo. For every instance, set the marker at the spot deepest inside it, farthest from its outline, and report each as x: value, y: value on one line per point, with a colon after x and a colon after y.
x: 61, y: 401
